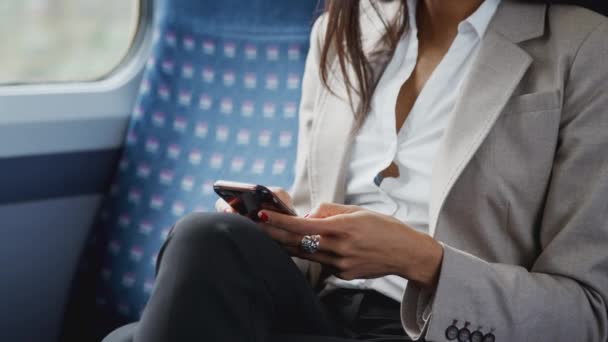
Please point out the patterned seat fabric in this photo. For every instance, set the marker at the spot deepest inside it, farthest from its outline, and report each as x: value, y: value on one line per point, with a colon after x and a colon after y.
x: 218, y: 100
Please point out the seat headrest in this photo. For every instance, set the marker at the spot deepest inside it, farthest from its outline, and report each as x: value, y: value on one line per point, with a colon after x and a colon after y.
x: 250, y: 16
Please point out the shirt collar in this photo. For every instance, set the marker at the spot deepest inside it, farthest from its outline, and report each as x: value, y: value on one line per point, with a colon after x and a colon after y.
x: 411, y: 14
x: 479, y: 20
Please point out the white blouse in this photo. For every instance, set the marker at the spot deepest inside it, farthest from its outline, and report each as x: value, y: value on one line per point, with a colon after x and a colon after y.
x: 414, y: 147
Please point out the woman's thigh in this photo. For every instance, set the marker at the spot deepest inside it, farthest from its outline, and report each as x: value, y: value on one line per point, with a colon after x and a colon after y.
x: 228, y: 250
x: 233, y: 251
x: 229, y: 274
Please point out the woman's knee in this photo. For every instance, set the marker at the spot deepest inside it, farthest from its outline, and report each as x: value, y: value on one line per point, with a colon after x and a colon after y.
x: 203, y: 237
x: 212, y: 230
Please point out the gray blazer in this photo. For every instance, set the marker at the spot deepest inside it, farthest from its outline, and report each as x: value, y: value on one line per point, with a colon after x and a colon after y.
x: 519, y: 195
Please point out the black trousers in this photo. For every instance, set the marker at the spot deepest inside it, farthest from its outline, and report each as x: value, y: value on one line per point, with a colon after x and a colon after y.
x: 220, y: 278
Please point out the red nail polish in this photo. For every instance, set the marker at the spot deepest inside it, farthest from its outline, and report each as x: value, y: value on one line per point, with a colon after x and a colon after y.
x: 263, y: 217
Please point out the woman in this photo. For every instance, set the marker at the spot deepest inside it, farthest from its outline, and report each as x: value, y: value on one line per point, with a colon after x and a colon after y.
x: 468, y: 202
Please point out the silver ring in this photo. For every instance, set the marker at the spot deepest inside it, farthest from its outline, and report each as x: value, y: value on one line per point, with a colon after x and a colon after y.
x: 310, y: 243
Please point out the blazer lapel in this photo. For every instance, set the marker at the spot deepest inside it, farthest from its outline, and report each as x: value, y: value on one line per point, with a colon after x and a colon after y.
x: 493, y: 77
x: 495, y: 74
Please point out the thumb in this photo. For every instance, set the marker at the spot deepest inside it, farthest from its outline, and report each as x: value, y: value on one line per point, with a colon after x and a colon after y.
x: 283, y: 195
x: 332, y: 209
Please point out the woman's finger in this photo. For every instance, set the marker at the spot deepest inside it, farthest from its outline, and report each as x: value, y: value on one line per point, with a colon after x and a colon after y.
x: 320, y: 256
x: 283, y: 195
x: 286, y: 238
x: 222, y: 207
x: 296, y: 225
x: 332, y: 209
x: 282, y: 236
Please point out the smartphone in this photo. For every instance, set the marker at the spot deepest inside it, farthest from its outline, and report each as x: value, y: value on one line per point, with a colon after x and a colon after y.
x: 249, y: 199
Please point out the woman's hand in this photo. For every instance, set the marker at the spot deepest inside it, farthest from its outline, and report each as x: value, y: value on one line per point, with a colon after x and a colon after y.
x: 222, y: 206
x: 359, y: 243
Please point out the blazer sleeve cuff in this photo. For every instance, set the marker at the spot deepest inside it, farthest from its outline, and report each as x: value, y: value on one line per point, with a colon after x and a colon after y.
x: 417, y: 307
x: 428, y: 314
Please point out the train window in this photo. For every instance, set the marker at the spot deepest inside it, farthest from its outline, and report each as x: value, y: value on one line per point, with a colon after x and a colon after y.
x: 64, y: 40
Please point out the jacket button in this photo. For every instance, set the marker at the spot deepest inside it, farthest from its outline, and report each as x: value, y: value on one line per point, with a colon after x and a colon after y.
x: 489, y: 338
x: 452, y: 331
x: 464, y: 334
x: 476, y: 336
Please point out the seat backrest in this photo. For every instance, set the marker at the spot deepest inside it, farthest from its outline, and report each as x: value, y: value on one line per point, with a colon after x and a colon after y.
x: 218, y: 100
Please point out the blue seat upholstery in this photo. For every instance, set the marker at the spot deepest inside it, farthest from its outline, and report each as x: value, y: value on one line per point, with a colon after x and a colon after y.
x: 218, y: 100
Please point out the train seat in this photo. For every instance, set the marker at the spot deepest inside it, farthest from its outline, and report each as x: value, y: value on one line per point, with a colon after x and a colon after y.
x: 218, y: 100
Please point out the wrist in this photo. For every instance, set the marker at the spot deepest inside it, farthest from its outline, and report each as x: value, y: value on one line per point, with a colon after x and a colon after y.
x: 427, y: 266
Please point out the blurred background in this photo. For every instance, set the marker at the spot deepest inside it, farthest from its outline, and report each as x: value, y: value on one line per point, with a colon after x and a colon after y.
x: 64, y: 40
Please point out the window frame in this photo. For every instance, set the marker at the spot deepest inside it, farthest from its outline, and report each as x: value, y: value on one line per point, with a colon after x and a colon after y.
x: 55, y: 108
x: 144, y: 18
